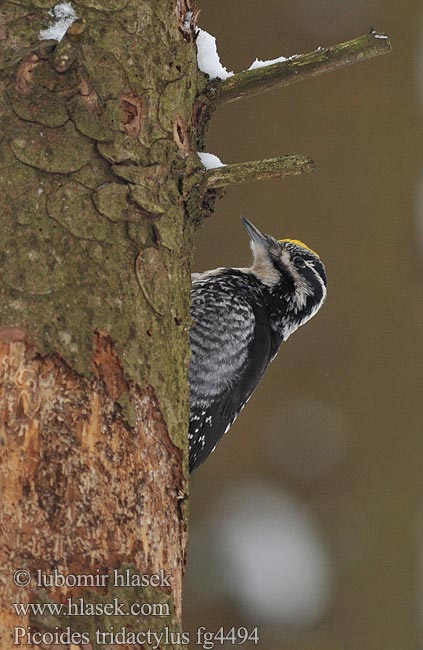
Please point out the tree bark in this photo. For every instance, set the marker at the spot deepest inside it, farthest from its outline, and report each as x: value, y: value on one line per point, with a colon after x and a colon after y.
x: 96, y: 163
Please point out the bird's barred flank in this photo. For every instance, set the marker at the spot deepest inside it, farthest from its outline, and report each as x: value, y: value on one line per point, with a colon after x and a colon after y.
x: 240, y: 318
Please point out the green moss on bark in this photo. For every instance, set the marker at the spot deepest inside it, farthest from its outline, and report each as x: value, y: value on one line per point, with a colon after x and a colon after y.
x: 96, y: 232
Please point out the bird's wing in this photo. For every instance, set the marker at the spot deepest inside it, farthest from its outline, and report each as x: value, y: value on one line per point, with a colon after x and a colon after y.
x: 230, y: 346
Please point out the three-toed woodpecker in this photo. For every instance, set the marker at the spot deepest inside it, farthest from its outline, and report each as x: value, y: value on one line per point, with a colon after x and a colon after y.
x: 240, y: 318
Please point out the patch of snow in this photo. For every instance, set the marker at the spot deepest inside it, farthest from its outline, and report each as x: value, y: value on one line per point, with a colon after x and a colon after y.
x: 207, y: 57
x: 289, y: 581
x: 210, y: 161
x: 262, y: 548
x: 64, y: 15
x: 187, y: 21
x: 261, y: 64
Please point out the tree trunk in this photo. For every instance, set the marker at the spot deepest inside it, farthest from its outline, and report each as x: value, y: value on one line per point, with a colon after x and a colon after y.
x: 96, y: 169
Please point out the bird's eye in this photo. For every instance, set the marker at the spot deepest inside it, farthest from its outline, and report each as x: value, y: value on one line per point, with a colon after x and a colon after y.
x: 299, y: 262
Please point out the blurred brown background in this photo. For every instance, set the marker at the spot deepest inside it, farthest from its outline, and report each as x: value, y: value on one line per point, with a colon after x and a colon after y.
x: 307, y: 520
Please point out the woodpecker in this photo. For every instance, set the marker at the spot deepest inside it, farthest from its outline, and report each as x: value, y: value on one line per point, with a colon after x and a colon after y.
x: 240, y: 318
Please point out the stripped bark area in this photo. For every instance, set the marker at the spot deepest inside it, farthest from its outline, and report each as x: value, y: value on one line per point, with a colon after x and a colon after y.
x: 81, y: 487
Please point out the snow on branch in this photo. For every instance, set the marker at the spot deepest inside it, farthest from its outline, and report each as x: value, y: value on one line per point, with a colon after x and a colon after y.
x: 260, y: 78
x: 210, y: 161
x: 258, y: 170
x: 63, y: 15
x: 208, y: 58
x: 258, y: 63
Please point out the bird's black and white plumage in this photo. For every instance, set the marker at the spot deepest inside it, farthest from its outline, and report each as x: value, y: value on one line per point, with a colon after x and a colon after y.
x: 240, y: 318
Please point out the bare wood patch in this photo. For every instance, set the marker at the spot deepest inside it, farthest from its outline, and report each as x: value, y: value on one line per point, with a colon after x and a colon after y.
x: 11, y: 334
x: 24, y: 74
x: 132, y: 109
x: 89, y: 96
x: 182, y: 135
x: 88, y: 495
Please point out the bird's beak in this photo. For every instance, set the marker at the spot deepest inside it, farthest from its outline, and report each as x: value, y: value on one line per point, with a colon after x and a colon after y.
x: 257, y: 237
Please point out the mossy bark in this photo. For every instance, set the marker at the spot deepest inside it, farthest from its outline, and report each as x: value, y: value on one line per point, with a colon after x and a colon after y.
x: 100, y: 190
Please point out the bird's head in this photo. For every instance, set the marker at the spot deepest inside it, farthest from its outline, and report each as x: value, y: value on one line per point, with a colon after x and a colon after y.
x: 291, y: 269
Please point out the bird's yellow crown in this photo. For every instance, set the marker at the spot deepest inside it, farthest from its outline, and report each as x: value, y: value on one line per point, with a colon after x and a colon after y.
x: 297, y: 242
